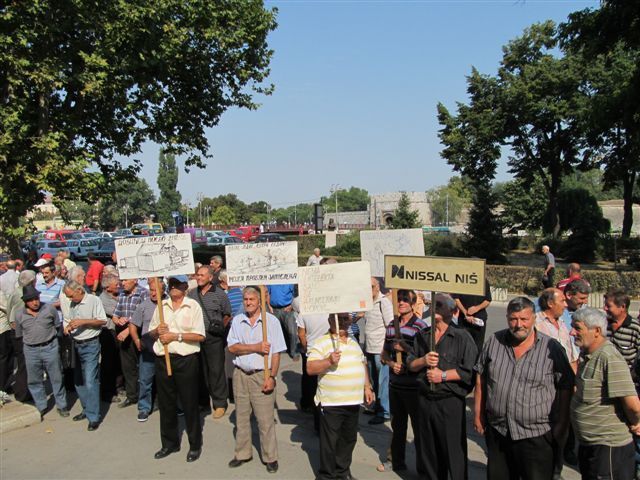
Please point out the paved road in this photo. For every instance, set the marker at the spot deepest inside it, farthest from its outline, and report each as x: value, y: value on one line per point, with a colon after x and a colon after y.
x: 123, y: 448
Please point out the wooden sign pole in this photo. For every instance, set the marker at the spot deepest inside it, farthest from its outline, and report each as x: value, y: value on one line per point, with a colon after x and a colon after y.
x: 335, y: 319
x: 263, y: 315
x: 396, y: 322
x: 160, y: 307
x: 432, y: 337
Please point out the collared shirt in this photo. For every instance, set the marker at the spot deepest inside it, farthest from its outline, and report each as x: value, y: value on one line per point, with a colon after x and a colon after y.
x: 456, y: 350
x: 561, y: 334
x: 376, y: 321
x: 142, y: 318
x: 242, y: 332
x: 313, y: 261
x: 408, y: 333
x: 520, y: 393
x: 549, y: 259
x: 14, y: 303
x: 38, y: 329
x: 109, y: 303
x: 128, y: 302
x: 626, y: 339
x: 596, y: 411
x: 89, y: 308
x: 341, y: 384
x: 8, y: 282
x: 235, y: 299
x: 49, y: 293
x: 215, y: 305
x: 187, y: 318
x: 280, y: 296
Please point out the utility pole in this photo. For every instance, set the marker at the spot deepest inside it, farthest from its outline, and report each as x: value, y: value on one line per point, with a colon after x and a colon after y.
x: 335, y: 188
x: 126, y: 216
x: 447, y: 209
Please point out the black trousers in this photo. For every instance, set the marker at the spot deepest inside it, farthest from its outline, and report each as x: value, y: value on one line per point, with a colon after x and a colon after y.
x: 608, y: 463
x: 6, y: 359
x: 404, y: 406
x: 338, y: 435
x: 212, y: 360
x: 443, y: 438
x: 182, y: 385
x: 109, y: 364
x: 527, y: 459
x: 129, y: 362
x: 308, y: 386
x: 548, y: 283
x: 20, y: 384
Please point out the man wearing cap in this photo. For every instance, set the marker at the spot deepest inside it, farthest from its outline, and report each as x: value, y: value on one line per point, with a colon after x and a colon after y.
x: 251, y: 390
x: 182, y: 332
x: 36, y: 325
x: 84, y: 317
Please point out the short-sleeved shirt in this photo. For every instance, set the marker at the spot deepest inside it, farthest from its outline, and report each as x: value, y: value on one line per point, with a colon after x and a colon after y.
x: 8, y: 282
x: 561, y: 334
x: 280, y: 296
x: 626, y: 339
x: 49, y: 293
x: 242, y: 332
x: 596, y: 411
x: 376, y: 321
x: 456, y: 350
x: 128, y: 302
x: 187, y: 318
x: 235, y: 299
x: 408, y: 333
x: 520, y: 393
x: 341, y: 384
x: 90, y: 307
x: 109, y: 303
x: 38, y: 329
x: 215, y: 305
x: 549, y: 259
x: 472, y: 300
x: 142, y: 318
x: 315, y: 326
x: 314, y: 261
x: 4, y: 317
x: 94, y: 272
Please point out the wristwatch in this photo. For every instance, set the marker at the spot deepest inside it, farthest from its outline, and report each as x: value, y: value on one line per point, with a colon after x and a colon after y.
x: 444, y: 375
x: 180, y: 337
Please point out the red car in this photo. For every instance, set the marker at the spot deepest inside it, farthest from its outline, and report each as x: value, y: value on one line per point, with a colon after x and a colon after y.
x: 247, y: 233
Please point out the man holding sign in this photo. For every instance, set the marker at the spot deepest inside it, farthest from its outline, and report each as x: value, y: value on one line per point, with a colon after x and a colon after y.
x: 252, y: 389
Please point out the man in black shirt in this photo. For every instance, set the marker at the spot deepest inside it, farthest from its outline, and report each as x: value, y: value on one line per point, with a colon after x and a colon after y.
x: 473, y: 308
x: 445, y: 377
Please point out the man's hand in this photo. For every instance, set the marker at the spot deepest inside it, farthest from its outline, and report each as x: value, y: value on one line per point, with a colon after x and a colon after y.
x: 369, y: 396
x: 398, y: 346
x: 478, y: 424
x: 471, y: 311
x: 288, y: 309
x: 635, y: 429
x: 469, y: 319
x: 73, y: 324
x: 138, y: 343
x: 434, y: 375
x: 122, y: 336
x: 162, y: 329
x: 263, y: 348
x: 167, y: 338
x: 431, y: 359
x: 268, y: 385
x: 120, y: 321
x: 334, y: 358
x: 67, y: 330
x: 397, y: 368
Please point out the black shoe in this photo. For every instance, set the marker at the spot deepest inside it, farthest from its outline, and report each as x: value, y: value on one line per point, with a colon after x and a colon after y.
x: 126, y: 403
x: 236, y: 463
x: 93, y: 426
x: 63, y: 412
x: 143, y: 416
x: 272, y: 467
x: 163, y: 452
x: 80, y: 416
x: 377, y: 420
x: 193, y: 455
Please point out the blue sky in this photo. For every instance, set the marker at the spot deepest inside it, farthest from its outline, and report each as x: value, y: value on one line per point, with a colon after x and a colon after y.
x: 357, y: 84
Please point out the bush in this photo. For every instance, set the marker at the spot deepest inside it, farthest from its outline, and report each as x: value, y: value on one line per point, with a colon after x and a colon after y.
x: 347, y: 246
x: 443, y: 245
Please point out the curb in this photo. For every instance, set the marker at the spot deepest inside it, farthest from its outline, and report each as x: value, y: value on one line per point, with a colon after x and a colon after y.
x: 16, y: 415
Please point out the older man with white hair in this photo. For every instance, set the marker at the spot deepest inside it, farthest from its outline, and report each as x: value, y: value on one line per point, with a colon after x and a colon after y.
x: 314, y: 259
x: 9, y: 279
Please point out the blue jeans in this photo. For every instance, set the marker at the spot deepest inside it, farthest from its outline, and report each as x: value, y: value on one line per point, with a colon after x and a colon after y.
x: 379, y: 376
x: 87, y: 378
x: 146, y: 373
x: 41, y: 359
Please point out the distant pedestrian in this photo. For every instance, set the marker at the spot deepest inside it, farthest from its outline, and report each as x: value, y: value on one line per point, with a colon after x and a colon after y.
x: 314, y: 259
x: 573, y: 273
x: 549, y: 267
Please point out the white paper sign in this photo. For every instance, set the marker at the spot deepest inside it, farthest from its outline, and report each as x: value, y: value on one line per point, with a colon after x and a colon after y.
x: 270, y: 263
x: 330, y: 239
x: 375, y: 244
x: 335, y: 288
x: 155, y: 256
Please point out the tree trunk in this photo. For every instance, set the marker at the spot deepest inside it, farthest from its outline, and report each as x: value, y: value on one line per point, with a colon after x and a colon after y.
x: 628, y: 183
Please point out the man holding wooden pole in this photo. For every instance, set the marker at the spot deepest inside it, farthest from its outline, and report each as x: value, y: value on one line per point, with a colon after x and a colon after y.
x: 253, y: 384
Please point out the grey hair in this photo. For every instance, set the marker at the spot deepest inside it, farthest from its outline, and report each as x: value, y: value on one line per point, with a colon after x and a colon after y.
x: 73, y: 273
x: 223, y: 276
x: 26, y: 277
x: 591, y: 318
x: 217, y: 259
x: 109, y: 279
x: 73, y: 285
x: 11, y: 264
x: 252, y: 290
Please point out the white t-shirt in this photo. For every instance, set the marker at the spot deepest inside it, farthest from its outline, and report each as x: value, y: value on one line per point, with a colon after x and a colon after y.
x: 376, y: 321
x: 315, y: 326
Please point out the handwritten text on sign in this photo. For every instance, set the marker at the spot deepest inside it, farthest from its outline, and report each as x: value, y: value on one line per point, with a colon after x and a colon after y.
x: 154, y: 256
x: 270, y: 263
x: 375, y: 244
x: 335, y: 288
x: 439, y: 274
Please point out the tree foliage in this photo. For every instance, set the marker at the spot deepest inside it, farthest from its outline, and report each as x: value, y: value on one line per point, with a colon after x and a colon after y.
x: 223, y: 215
x: 354, y: 199
x: 134, y: 195
x: 483, y: 238
x: 447, y: 201
x: 84, y: 83
x: 404, y: 217
x: 169, y: 198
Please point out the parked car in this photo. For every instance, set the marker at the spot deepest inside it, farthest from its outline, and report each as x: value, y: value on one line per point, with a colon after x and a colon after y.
x: 110, y: 235
x: 246, y: 233
x: 106, y: 247
x: 217, y: 233
x: 84, y: 235
x: 61, y: 235
x: 146, y: 229
x: 124, y: 232
x: 211, y: 241
x: 79, y: 247
x: 270, y: 237
x: 49, y: 246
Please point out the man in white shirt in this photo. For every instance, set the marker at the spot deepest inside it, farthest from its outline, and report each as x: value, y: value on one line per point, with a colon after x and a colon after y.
x: 314, y: 259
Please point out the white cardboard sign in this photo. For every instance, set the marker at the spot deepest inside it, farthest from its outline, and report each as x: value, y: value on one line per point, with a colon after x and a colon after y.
x: 330, y: 238
x: 375, y: 244
x: 335, y: 288
x: 155, y: 256
x: 270, y: 263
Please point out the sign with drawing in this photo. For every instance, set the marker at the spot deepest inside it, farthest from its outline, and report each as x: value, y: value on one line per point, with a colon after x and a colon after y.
x: 154, y: 256
x: 375, y: 244
x: 269, y: 263
x: 335, y: 288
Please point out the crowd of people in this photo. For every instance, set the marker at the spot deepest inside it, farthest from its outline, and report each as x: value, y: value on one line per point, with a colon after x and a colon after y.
x: 561, y: 377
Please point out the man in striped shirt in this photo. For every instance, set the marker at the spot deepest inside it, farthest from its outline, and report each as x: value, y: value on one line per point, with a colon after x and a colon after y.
x: 605, y: 406
x: 623, y: 330
x: 522, y: 395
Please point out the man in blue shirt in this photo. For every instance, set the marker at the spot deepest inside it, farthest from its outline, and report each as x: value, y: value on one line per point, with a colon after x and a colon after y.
x: 280, y: 299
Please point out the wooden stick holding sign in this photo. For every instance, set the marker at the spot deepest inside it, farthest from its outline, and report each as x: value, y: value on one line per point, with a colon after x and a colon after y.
x: 432, y: 336
x: 167, y: 358
x: 396, y: 323
x: 263, y: 315
x: 337, y: 345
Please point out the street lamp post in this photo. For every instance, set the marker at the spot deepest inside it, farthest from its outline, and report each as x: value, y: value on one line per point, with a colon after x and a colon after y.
x: 126, y: 216
x: 335, y: 188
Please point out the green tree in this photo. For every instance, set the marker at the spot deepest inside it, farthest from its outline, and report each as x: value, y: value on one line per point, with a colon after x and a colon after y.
x: 169, y: 198
x: 447, y: 201
x: 353, y: 199
x: 77, y: 212
x: 524, y: 204
x: 483, y: 238
x: 223, y: 215
x: 84, y: 83
x: 135, y: 196
x: 231, y: 200
x: 404, y: 217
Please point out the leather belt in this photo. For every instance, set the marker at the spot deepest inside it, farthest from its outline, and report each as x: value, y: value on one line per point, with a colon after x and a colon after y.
x: 80, y: 342
x: 250, y: 372
x: 43, y: 343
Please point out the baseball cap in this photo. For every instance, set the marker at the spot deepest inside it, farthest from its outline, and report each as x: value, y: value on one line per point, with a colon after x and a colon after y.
x: 41, y: 262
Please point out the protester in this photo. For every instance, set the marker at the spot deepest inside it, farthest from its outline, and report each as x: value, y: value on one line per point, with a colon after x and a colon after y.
x: 376, y: 321
x: 233, y: 293
x: 83, y: 320
x: 623, y: 330
x: 343, y: 385
x: 445, y: 377
x: 48, y: 285
x: 573, y: 273
x: 182, y: 332
x: 94, y: 273
x: 9, y: 279
x: 473, y: 315
x: 36, y: 324
x: 251, y: 390
x: 522, y: 395
x: 216, y: 263
x: 280, y: 299
x: 549, y: 267
x: 110, y: 368
x: 314, y: 259
x: 605, y: 406
x: 6, y: 348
